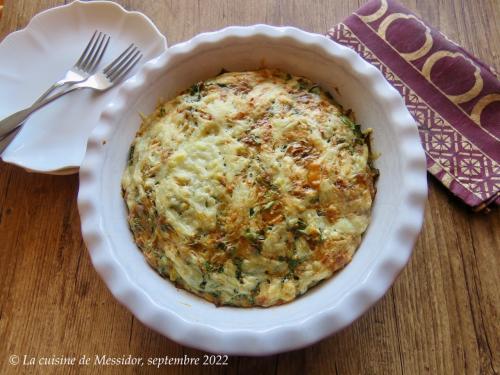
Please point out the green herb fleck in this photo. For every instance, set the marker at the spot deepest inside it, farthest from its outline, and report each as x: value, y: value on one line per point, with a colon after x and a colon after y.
x: 238, y: 264
x: 315, y: 89
x: 131, y: 154
x: 215, y: 294
x: 195, y: 90
x: 253, y: 236
x: 303, y: 84
x: 209, y: 266
x: 292, y: 264
x: 356, y: 128
x: 136, y: 224
x: 301, y: 225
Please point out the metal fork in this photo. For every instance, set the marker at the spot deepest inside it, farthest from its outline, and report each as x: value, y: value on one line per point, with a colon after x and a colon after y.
x: 85, y: 65
x: 101, y: 81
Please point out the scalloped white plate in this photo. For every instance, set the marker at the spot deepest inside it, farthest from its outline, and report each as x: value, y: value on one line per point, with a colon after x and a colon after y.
x: 54, y: 139
x: 396, y: 218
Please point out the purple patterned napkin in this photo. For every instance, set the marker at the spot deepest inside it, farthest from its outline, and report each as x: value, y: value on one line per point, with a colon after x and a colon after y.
x: 454, y: 97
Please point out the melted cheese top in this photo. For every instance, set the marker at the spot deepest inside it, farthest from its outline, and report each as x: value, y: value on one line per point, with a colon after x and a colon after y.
x: 249, y: 188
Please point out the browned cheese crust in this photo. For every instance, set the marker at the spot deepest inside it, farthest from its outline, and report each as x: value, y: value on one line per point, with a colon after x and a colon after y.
x: 249, y: 188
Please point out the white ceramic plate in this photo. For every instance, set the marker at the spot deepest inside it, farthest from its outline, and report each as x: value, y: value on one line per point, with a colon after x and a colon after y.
x: 396, y: 218
x: 54, y: 139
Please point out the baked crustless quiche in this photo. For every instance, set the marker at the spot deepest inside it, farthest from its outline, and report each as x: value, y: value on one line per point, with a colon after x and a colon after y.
x: 249, y: 188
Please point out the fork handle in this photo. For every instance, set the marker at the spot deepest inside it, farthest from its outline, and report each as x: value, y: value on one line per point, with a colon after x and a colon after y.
x: 8, y: 124
x: 52, y: 88
x: 5, y: 141
x: 63, y: 82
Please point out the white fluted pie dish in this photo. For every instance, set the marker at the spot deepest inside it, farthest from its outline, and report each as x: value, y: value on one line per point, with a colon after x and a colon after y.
x: 396, y: 218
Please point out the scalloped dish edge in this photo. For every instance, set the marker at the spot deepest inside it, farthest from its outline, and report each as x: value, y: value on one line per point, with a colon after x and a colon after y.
x: 319, y: 324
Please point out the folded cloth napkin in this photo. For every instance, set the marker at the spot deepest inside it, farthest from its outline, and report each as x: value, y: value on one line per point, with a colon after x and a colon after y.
x: 454, y: 97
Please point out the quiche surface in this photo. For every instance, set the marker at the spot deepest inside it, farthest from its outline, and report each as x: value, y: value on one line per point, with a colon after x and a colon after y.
x: 249, y: 188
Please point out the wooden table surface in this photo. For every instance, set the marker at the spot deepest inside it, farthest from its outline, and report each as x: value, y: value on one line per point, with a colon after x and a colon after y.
x: 440, y: 317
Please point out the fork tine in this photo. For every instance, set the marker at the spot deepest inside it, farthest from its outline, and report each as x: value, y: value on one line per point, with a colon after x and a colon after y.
x: 123, y: 61
x: 122, y: 72
x: 126, y: 69
x: 112, y: 63
x: 84, y: 53
x: 92, y: 51
x: 99, y: 54
x: 97, y: 47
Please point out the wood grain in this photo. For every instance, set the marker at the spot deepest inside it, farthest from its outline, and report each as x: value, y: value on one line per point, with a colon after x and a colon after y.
x: 440, y: 317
